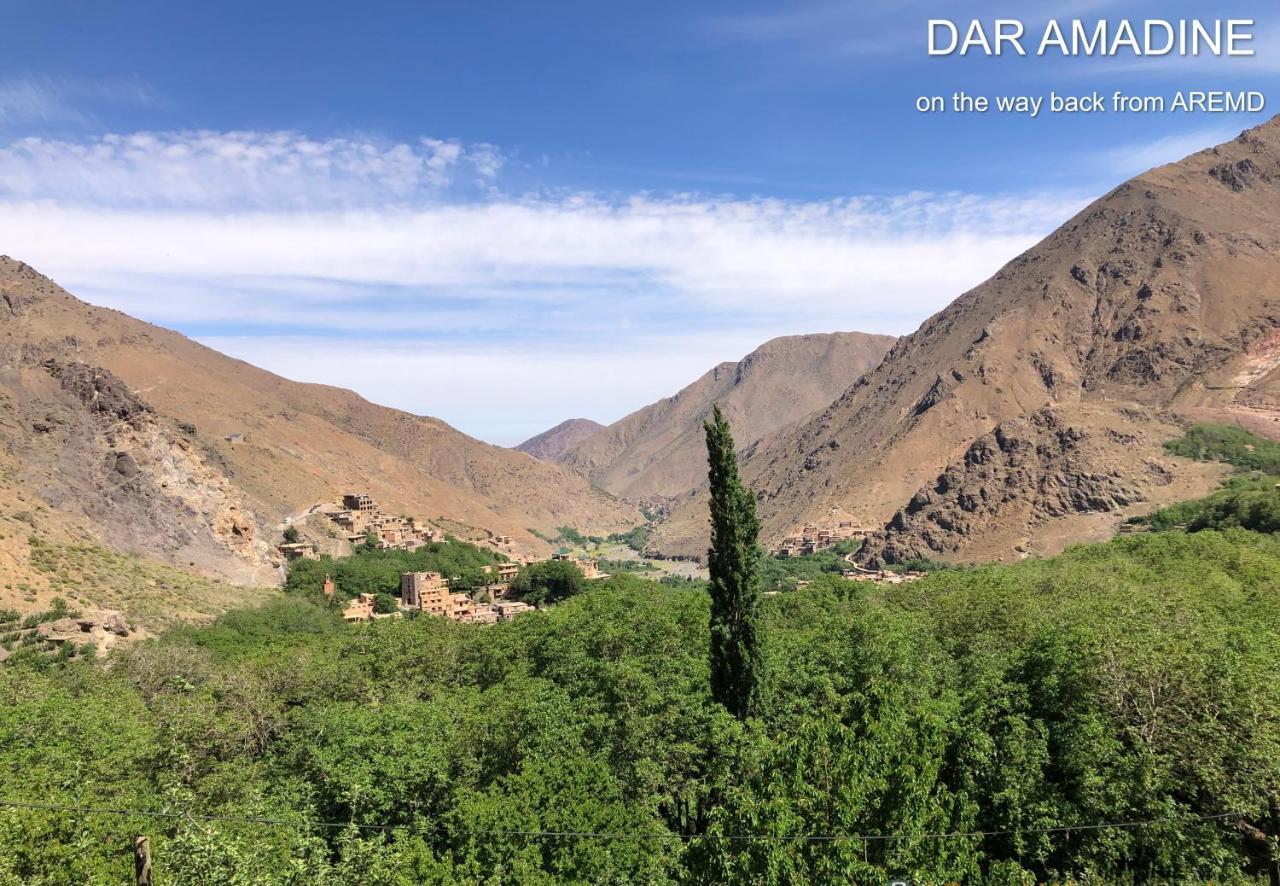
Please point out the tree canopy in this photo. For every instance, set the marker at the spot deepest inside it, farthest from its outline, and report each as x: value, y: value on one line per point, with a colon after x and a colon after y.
x: 548, y: 581
x: 1029, y: 707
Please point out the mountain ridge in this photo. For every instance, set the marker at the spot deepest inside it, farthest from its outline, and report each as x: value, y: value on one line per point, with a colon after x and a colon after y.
x: 658, y: 451
x: 273, y: 447
x: 1156, y: 304
x: 554, y: 442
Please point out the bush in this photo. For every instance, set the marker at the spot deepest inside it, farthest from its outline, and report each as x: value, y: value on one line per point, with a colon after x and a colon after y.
x: 1228, y: 443
x: 637, y: 539
x: 571, y: 535
x: 547, y: 582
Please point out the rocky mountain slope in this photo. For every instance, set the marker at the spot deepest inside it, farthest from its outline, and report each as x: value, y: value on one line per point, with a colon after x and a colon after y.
x: 139, y: 438
x: 551, y: 444
x: 660, y: 450
x: 1031, y: 411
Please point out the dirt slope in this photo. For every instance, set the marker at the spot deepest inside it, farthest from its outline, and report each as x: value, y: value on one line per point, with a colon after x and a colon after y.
x: 154, y: 472
x: 1158, y: 303
x: 660, y: 451
x: 551, y: 444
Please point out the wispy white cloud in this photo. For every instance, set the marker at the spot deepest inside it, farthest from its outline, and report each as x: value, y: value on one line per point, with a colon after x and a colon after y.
x: 59, y: 100
x: 1124, y: 161
x: 714, y: 254
x: 531, y: 307
x: 238, y: 170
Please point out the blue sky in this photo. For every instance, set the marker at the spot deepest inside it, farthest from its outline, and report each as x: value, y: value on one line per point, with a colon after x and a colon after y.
x: 507, y: 214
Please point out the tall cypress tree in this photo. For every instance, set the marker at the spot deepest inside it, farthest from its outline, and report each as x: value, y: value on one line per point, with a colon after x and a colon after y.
x: 737, y: 668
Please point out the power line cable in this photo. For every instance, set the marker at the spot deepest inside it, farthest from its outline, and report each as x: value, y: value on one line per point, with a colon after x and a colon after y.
x: 605, y: 835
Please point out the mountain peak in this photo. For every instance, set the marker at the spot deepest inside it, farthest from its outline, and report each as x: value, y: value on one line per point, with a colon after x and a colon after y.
x: 1158, y: 303
x: 659, y: 450
x: 552, y: 443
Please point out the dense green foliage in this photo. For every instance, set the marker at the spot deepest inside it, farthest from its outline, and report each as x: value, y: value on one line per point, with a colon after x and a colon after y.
x: 548, y: 581
x: 1230, y: 444
x: 1248, y: 502
x: 637, y: 539
x: 1133, y: 681
x: 733, y: 562
x: 372, y: 571
x: 611, y: 566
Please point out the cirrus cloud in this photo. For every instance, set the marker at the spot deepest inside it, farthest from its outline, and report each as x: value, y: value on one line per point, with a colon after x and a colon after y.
x: 268, y: 243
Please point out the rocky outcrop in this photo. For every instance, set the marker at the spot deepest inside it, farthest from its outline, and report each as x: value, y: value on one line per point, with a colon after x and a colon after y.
x: 101, y: 392
x: 100, y: 453
x: 1027, y: 471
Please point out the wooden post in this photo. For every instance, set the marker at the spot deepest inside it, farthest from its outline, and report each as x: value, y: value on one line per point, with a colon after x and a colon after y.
x: 142, y: 860
x: 1273, y: 869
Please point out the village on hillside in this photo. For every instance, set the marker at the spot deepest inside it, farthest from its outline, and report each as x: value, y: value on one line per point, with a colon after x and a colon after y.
x: 361, y: 521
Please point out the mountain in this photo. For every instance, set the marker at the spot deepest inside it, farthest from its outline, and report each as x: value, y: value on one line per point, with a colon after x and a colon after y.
x: 660, y: 451
x: 550, y: 445
x: 138, y: 438
x: 1031, y: 411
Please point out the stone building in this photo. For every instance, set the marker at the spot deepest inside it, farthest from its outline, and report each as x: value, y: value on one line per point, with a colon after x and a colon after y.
x: 424, y: 591
x: 359, y: 609
x: 301, y: 550
x: 509, y: 609
x: 358, y: 501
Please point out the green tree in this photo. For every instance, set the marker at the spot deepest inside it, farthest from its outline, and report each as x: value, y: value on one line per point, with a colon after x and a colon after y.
x: 291, y: 535
x: 547, y: 582
x: 736, y: 661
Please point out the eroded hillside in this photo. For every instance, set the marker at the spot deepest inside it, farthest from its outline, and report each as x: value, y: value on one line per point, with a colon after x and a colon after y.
x: 1158, y: 302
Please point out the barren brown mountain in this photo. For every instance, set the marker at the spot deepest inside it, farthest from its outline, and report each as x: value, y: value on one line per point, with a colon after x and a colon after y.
x: 1031, y: 411
x: 551, y: 444
x: 151, y: 443
x: 659, y: 450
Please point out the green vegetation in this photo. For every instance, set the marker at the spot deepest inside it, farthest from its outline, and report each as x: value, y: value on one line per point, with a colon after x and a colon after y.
x: 1135, y: 681
x: 737, y: 667
x: 1246, y: 502
x: 782, y: 573
x: 612, y: 566
x: 1230, y: 444
x: 549, y: 581
x: 637, y: 539
x: 1250, y: 499
x: 148, y: 593
x: 373, y: 571
x: 291, y: 535
x: 572, y: 536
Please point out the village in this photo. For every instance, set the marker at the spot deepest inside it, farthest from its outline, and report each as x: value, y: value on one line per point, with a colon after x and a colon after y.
x: 812, y: 538
x: 360, y: 520
x: 839, y: 526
